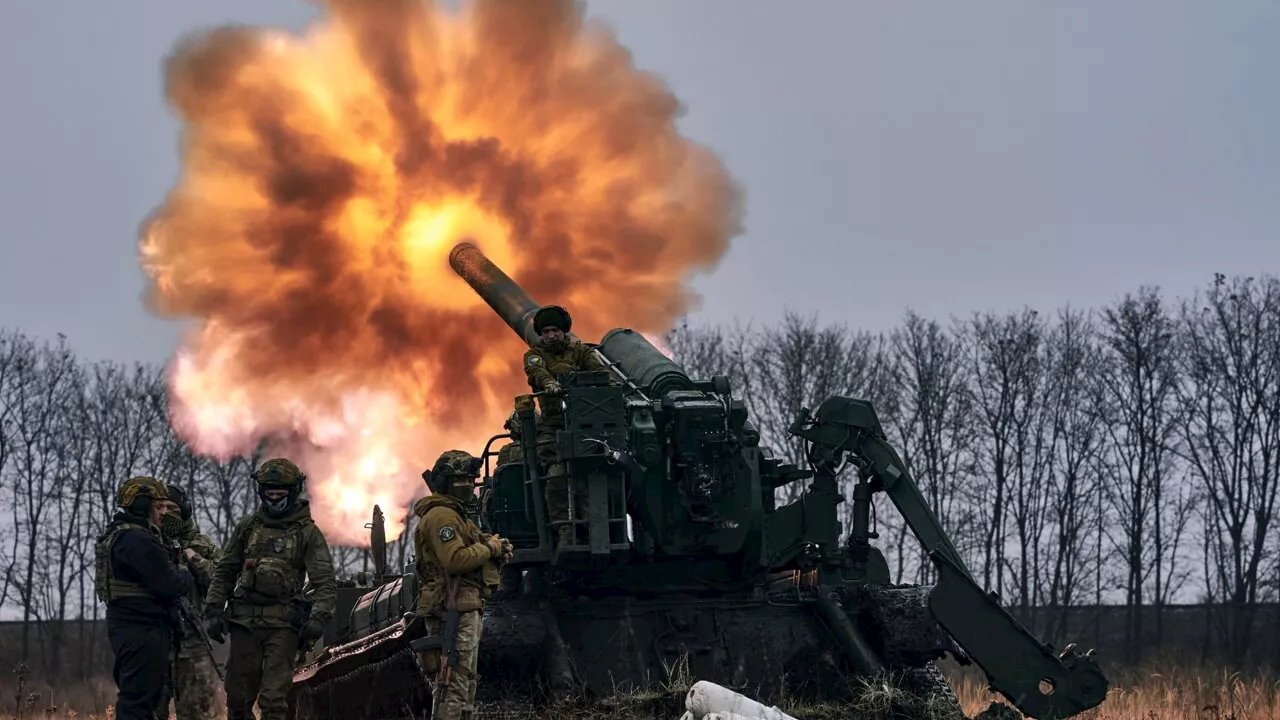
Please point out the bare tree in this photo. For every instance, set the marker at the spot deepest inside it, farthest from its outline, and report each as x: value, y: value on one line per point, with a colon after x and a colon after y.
x: 799, y: 364
x: 228, y: 495
x: 935, y: 425
x: 15, y: 351
x: 69, y: 535
x: 709, y: 350
x: 1137, y: 397
x: 1074, y: 485
x: 38, y: 400
x: 126, y: 426
x: 1232, y: 434
x: 1007, y: 385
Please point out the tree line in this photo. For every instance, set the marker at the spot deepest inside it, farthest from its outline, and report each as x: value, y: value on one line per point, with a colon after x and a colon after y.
x: 1128, y: 454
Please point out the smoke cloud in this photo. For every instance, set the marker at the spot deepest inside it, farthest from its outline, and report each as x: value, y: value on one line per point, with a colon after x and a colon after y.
x: 324, y: 179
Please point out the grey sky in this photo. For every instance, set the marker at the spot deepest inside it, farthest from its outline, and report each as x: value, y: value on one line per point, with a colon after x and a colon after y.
x: 944, y: 156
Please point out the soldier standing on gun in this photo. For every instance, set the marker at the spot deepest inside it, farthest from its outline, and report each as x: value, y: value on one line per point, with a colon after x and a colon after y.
x: 545, y: 364
x: 134, y: 576
x: 194, y: 682
x: 262, y: 572
x: 458, y: 567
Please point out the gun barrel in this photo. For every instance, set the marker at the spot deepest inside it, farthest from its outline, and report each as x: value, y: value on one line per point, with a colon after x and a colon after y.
x: 507, y: 299
x: 644, y: 363
x: 627, y: 351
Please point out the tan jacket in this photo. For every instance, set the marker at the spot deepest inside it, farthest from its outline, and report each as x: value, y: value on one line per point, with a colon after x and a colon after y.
x: 446, y: 542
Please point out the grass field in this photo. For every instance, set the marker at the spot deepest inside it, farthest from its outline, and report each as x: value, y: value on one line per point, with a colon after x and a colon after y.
x: 1153, y: 693
x: 1163, y: 693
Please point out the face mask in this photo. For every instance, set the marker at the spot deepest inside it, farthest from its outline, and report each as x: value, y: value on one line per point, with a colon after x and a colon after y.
x: 171, y: 525
x: 276, y: 507
x: 463, y: 491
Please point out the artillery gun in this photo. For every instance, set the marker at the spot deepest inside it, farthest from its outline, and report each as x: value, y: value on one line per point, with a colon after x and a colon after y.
x: 684, y: 558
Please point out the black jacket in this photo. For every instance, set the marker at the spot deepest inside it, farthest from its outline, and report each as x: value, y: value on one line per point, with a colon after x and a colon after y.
x: 139, y: 557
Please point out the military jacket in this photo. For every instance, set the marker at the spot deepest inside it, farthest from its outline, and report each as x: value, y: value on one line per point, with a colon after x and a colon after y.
x: 266, y: 562
x: 107, y: 586
x: 202, y: 566
x: 541, y: 366
x: 134, y: 573
x: 446, y: 542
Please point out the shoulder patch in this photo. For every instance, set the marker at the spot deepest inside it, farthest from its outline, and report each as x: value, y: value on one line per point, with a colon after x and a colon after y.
x: 534, y: 360
x: 447, y: 533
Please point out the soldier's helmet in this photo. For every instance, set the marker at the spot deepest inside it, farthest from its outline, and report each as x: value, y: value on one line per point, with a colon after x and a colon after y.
x: 138, y: 492
x: 279, y: 474
x: 552, y: 316
x: 179, y: 496
x: 451, y: 464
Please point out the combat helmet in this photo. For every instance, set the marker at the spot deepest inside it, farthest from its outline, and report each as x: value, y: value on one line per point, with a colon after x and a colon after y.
x: 138, y: 492
x: 453, y: 464
x: 279, y: 474
x: 553, y: 316
x: 172, y: 524
x: 179, y: 496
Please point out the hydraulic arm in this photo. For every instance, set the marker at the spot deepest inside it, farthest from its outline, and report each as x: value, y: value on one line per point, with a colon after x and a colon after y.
x: 1039, y: 682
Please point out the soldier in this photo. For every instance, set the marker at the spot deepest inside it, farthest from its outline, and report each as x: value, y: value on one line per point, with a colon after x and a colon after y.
x: 134, y: 576
x: 262, y: 571
x: 195, y: 680
x: 545, y: 364
x: 454, y: 558
x: 512, y: 451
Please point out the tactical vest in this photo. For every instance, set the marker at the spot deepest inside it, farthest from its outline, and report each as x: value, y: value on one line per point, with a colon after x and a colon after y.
x: 106, y: 585
x: 273, y: 570
x: 476, y: 586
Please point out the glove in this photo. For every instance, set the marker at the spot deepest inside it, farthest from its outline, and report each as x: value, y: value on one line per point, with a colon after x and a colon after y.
x: 216, y: 627
x: 553, y: 388
x: 495, y: 544
x: 311, y: 632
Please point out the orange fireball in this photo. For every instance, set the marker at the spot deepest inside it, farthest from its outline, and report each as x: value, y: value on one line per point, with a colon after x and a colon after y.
x: 325, y: 178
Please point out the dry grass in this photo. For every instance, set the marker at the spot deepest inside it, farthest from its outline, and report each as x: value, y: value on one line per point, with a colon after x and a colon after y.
x: 1154, y: 693
x: 1160, y: 693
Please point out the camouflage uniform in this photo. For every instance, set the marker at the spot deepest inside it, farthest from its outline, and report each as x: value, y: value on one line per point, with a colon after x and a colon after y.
x: 195, y: 682
x: 446, y: 543
x: 544, y: 366
x: 136, y: 578
x: 262, y: 574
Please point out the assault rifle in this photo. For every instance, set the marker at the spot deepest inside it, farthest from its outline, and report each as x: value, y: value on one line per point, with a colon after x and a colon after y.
x: 447, y: 641
x: 188, y: 614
